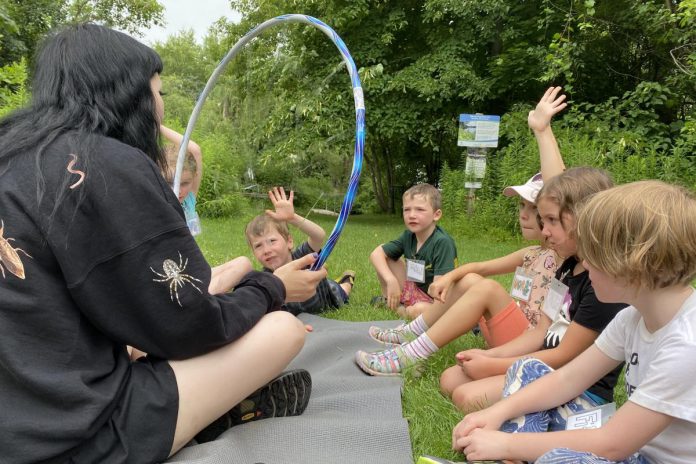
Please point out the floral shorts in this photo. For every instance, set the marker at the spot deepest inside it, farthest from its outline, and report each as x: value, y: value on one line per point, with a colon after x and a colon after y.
x: 412, y: 294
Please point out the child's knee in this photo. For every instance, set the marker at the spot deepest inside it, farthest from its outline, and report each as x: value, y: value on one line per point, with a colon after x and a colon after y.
x: 468, y: 280
x: 523, y: 372
x: 450, y: 379
x: 467, y: 399
x: 489, y: 286
x: 531, y: 367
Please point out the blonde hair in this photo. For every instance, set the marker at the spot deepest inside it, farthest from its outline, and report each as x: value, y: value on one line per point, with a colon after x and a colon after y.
x: 172, y: 154
x: 644, y: 232
x: 570, y: 189
x: 428, y: 191
x: 261, y: 224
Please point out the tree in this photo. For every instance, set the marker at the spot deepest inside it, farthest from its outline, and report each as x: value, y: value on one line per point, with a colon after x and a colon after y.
x: 37, y: 17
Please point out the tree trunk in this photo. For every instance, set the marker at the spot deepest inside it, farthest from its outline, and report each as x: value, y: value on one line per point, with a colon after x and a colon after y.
x: 373, y: 167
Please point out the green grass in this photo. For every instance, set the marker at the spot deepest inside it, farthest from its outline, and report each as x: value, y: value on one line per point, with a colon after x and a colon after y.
x: 431, y: 416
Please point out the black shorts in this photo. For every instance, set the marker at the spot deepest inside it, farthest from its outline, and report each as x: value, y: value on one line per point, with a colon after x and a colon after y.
x: 141, y: 429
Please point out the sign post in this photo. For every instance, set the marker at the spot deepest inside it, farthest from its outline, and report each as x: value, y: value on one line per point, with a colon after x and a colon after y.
x: 477, y: 132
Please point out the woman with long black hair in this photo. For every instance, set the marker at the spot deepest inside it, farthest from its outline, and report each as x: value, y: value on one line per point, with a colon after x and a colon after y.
x: 95, y: 255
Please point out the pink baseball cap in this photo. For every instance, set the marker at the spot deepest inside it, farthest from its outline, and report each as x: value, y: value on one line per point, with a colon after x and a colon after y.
x: 528, y: 191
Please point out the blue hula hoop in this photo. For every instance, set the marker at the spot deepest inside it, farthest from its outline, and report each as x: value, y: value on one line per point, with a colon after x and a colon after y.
x: 349, y: 197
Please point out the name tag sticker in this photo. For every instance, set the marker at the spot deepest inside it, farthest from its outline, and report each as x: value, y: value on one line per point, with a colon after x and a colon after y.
x: 522, y: 285
x: 592, y: 418
x: 415, y: 270
x: 194, y: 223
x: 555, y: 298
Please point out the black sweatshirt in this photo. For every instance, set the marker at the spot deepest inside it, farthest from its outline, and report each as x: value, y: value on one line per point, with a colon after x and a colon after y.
x: 90, y: 268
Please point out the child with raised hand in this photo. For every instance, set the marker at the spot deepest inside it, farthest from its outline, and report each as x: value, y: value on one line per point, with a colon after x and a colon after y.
x: 270, y: 241
x: 501, y: 316
x: 638, y: 242
x: 576, y: 314
x: 463, y: 298
x: 226, y: 276
x: 428, y: 253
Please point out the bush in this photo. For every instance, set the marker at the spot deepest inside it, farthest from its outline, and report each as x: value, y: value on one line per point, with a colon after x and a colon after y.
x: 624, y: 136
x: 13, y: 93
x: 229, y: 204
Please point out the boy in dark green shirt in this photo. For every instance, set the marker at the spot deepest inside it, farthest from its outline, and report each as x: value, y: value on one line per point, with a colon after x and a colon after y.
x: 427, y: 250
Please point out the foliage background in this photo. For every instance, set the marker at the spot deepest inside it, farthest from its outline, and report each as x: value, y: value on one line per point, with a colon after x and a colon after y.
x: 283, y: 110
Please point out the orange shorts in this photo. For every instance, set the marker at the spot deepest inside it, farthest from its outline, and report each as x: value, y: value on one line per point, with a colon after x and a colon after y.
x: 412, y: 294
x: 504, y: 326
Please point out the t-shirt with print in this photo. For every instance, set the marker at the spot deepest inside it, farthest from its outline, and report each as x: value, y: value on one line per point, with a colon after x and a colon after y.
x: 660, y: 370
x: 541, y: 263
x: 585, y: 309
x: 329, y: 293
x: 103, y: 260
x: 438, y: 252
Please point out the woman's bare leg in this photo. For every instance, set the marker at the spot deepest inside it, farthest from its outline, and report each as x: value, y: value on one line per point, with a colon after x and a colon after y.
x: 211, y: 384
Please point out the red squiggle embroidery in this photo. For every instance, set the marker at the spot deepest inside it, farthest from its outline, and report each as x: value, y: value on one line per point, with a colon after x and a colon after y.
x: 70, y: 169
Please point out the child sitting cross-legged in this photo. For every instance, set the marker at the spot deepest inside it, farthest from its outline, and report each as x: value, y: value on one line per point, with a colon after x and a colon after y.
x: 272, y: 245
x: 463, y: 297
x: 571, y: 304
x: 427, y: 251
x: 638, y: 242
x: 500, y: 316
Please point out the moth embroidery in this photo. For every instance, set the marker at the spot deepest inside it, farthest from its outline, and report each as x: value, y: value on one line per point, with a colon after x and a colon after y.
x: 9, y: 257
x: 70, y: 169
x: 174, y: 275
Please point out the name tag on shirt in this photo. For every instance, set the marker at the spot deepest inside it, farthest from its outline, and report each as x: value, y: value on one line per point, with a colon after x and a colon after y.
x: 194, y: 223
x: 522, y: 285
x: 555, y: 298
x: 415, y: 270
x: 592, y: 418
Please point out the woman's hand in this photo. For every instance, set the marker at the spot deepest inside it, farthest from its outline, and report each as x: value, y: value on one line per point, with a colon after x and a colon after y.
x: 300, y: 283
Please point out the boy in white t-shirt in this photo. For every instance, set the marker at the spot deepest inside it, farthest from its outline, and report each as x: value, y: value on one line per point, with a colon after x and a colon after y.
x: 638, y: 242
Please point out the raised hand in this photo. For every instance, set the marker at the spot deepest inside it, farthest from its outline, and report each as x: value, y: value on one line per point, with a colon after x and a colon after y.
x: 549, y: 105
x: 284, y: 208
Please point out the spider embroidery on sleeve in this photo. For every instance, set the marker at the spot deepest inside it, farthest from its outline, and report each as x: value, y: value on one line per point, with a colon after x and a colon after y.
x: 174, y: 275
